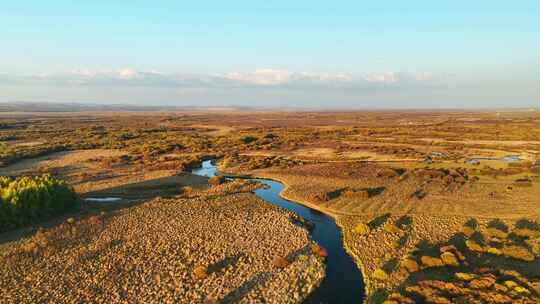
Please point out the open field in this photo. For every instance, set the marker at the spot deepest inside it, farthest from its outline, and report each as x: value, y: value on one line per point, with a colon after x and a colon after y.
x: 403, y: 186
x: 198, y: 250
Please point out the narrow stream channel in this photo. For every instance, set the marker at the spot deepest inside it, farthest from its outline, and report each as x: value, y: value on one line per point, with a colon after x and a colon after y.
x: 343, y: 282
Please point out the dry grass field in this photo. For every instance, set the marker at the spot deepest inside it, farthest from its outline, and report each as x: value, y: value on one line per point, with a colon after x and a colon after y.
x: 439, y: 206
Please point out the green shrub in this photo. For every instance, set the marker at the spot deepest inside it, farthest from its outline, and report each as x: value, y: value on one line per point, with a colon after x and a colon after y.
x: 28, y: 199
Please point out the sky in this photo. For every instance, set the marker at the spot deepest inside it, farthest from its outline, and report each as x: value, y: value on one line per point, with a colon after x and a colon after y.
x: 327, y: 54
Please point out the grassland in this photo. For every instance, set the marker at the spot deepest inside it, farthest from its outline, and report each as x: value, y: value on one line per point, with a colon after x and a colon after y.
x: 404, y: 186
x: 172, y: 250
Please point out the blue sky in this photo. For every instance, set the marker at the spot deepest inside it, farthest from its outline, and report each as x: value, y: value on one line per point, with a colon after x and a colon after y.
x: 400, y: 54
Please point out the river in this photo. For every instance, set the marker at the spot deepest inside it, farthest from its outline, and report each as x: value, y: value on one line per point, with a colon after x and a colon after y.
x: 343, y: 282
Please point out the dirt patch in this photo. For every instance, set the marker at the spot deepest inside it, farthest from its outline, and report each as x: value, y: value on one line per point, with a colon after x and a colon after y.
x: 59, y: 160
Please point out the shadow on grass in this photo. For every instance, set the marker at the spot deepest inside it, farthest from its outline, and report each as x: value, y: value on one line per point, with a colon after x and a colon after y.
x: 226, y: 262
x: 480, y: 263
x: 378, y: 221
x: 237, y: 294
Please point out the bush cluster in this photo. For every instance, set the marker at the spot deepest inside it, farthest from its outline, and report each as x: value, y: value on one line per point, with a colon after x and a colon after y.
x: 28, y: 199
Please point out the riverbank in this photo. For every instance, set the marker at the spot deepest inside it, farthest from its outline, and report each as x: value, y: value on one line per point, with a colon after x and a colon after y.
x: 335, y: 217
x: 382, y: 242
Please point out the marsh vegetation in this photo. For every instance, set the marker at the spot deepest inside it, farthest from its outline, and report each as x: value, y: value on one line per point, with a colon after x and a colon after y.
x: 434, y: 206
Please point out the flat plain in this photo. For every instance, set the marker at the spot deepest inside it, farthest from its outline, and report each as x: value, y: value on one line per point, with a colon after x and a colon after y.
x: 435, y: 206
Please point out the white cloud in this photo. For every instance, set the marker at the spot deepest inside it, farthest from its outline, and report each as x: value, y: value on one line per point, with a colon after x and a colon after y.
x: 388, y: 77
x: 260, y: 78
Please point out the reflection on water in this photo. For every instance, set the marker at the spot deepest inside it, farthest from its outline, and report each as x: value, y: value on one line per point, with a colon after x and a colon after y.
x: 207, y: 169
x: 507, y: 159
x: 343, y: 282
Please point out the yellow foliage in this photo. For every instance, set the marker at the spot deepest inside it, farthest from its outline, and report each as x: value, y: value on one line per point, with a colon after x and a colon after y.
x: 431, y: 261
x: 526, y: 233
x: 473, y: 246
x: 510, y: 284
x: 494, y: 232
x: 520, y: 289
x: 391, y: 228
x: 380, y: 275
x: 465, y: 276
x: 518, y: 252
x: 302, y: 258
x: 494, y: 251
x: 449, y: 259
x: 361, y: 229
x: 410, y: 265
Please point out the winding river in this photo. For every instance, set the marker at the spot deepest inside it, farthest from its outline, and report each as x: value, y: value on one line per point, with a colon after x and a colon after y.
x: 343, y: 281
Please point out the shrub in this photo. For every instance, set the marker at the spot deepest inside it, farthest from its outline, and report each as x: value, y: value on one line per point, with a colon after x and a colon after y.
x: 494, y: 232
x: 187, y: 190
x: 200, y: 272
x: 27, y: 199
x: 526, y: 233
x: 482, y: 283
x: 391, y: 228
x: 465, y: 276
x: 410, y: 265
x: 362, y: 194
x: 216, y: 180
x: 319, y: 250
x: 449, y: 259
x: 453, y: 250
x: 429, y: 261
x: 493, y: 250
x: 518, y: 252
x: 468, y: 231
x: 380, y: 275
x: 474, y: 246
x: 361, y: 229
x: 279, y: 262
